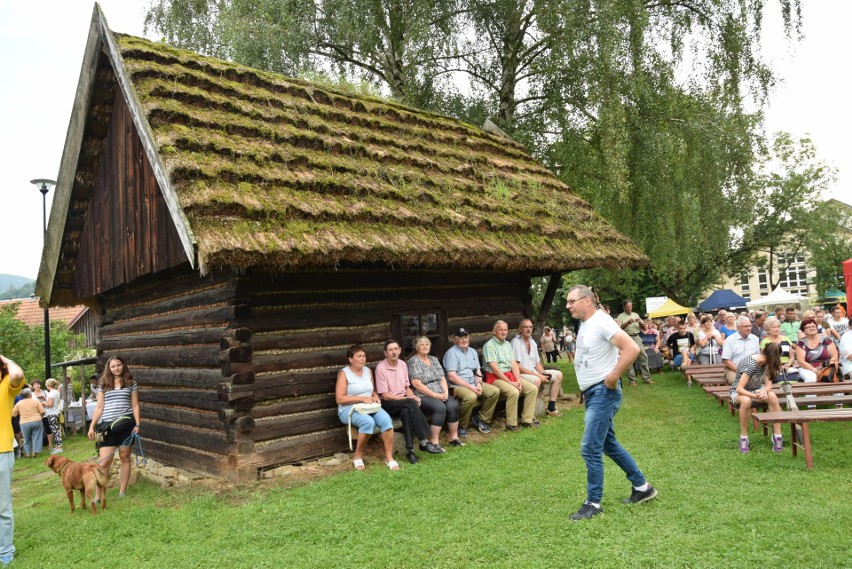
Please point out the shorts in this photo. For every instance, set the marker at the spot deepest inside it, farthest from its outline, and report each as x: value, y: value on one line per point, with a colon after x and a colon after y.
x: 735, y: 398
x: 116, y: 437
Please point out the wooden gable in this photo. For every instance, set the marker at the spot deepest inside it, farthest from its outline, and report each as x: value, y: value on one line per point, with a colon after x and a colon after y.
x: 128, y: 231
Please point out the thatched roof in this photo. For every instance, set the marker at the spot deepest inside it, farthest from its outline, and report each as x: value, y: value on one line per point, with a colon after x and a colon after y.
x: 283, y: 174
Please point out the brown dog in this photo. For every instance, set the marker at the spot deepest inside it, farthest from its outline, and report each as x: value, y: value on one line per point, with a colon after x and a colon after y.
x: 87, y: 477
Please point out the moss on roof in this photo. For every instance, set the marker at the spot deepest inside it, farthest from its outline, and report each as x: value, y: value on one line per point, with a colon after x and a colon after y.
x: 280, y: 173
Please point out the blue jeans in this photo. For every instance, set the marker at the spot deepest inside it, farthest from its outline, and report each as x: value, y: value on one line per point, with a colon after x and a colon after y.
x: 33, y: 434
x: 678, y: 359
x: 602, y: 404
x: 7, y: 521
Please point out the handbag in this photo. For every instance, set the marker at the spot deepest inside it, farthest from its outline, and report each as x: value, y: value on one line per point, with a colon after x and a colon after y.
x: 101, y: 431
x: 364, y: 409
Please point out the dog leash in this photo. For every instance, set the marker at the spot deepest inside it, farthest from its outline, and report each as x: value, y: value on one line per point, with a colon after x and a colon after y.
x: 135, y: 438
x: 132, y: 438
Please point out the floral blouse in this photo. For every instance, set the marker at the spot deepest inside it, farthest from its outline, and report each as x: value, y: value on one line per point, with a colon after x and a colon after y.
x: 430, y: 375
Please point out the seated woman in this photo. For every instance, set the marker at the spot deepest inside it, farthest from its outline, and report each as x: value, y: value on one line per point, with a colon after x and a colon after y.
x: 427, y: 378
x: 788, y: 354
x: 692, y: 324
x: 814, y: 351
x: 729, y: 326
x: 709, y: 342
x: 754, y: 383
x: 355, y: 385
x: 651, y: 341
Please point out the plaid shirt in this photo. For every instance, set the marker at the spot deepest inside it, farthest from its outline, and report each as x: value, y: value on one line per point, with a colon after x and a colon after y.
x: 501, y: 352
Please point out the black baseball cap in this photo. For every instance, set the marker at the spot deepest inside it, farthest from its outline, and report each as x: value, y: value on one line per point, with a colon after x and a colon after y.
x: 460, y: 332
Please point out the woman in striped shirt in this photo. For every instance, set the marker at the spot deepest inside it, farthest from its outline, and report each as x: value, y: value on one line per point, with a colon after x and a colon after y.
x: 118, y: 406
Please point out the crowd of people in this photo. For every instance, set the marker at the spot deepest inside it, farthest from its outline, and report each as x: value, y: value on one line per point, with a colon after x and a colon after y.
x: 429, y: 394
x: 809, y: 342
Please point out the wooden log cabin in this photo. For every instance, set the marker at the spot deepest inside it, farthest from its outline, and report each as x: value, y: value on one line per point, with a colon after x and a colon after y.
x: 237, y: 230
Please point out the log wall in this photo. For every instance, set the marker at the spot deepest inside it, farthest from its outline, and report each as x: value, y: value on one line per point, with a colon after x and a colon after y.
x: 170, y: 329
x: 301, y: 325
x: 237, y: 372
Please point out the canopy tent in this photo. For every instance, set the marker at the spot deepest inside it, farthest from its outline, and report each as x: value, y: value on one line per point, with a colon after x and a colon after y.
x: 669, y: 308
x: 834, y: 295
x: 779, y: 296
x: 724, y: 298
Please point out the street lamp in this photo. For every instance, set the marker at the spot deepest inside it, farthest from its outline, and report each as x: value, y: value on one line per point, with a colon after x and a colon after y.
x: 44, y: 187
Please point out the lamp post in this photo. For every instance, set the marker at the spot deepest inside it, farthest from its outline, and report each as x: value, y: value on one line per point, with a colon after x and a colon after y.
x: 44, y: 187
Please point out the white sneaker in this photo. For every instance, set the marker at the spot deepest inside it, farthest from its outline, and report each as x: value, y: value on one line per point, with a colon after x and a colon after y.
x: 57, y: 450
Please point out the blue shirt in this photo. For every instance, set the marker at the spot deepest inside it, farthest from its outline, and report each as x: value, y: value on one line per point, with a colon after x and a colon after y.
x: 464, y: 363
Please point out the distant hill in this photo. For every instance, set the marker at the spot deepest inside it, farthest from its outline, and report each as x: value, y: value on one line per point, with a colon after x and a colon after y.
x: 14, y: 286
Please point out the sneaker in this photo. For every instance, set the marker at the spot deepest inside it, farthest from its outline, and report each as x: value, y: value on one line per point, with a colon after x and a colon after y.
x: 481, y: 425
x: 411, y: 457
x: 586, y: 511
x: 689, y: 384
x: 637, y: 497
x: 57, y: 450
x: 744, y: 448
x: 777, y: 443
x: 463, y: 432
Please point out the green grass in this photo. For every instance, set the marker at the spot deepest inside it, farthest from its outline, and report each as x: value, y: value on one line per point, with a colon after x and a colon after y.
x: 503, y: 503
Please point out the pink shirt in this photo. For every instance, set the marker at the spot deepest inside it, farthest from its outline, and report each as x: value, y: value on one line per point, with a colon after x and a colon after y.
x: 392, y: 380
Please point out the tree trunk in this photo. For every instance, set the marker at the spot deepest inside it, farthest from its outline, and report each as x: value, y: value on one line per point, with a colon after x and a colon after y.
x: 546, y: 303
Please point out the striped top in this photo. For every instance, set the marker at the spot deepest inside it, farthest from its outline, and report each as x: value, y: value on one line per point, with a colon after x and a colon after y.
x: 117, y: 403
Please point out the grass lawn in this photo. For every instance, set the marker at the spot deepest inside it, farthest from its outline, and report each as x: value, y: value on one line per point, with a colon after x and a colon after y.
x: 502, y: 503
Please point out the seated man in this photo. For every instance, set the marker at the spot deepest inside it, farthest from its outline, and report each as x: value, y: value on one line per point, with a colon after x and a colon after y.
x: 738, y: 347
x: 399, y: 400
x: 681, y: 345
x: 461, y: 363
x: 529, y: 364
x: 503, y: 373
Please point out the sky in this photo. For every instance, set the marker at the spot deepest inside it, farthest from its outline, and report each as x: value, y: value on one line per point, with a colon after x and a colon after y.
x: 43, y: 42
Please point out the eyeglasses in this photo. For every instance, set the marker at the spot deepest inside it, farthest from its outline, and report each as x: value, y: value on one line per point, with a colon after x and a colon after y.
x: 573, y: 301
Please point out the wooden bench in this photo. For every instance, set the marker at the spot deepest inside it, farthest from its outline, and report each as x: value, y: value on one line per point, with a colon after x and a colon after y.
x: 713, y: 374
x: 799, y: 422
x: 827, y: 401
x: 723, y: 394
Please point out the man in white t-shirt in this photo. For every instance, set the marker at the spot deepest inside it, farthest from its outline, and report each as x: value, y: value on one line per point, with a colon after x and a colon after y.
x: 529, y: 364
x: 604, y: 353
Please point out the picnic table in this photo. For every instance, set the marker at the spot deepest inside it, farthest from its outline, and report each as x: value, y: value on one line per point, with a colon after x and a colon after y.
x: 799, y: 421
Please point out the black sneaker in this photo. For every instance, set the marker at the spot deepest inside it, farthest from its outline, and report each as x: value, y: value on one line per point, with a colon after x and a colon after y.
x: 480, y: 425
x: 412, y: 458
x: 637, y: 497
x: 586, y: 511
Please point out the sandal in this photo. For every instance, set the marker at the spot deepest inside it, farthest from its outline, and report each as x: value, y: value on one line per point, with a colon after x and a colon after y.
x: 457, y: 443
x: 393, y: 465
x: 554, y: 413
x: 358, y: 464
